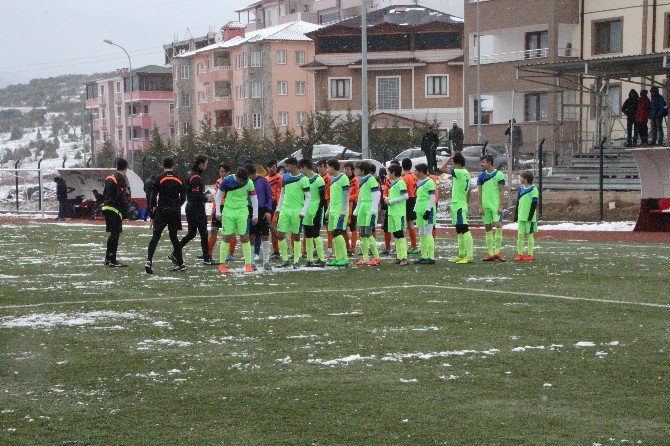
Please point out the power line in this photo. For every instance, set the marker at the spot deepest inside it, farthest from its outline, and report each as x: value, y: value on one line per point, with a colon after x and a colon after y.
x: 79, y: 58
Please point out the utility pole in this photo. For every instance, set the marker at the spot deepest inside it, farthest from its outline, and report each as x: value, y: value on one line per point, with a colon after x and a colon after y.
x: 479, y: 78
x: 365, y: 149
x: 132, y: 105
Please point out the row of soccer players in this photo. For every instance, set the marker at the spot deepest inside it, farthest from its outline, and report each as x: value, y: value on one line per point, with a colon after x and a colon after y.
x: 245, y: 204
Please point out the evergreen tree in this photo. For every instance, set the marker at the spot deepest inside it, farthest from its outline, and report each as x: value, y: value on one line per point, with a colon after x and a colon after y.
x: 107, y: 155
x: 325, y: 124
x: 154, y: 155
x: 16, y: 133
x: 348, y: 131
x: 56, y: 143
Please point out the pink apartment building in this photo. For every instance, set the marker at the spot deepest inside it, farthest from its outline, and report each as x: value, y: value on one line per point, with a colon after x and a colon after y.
x: 247, y: 80
x: 110, y: 103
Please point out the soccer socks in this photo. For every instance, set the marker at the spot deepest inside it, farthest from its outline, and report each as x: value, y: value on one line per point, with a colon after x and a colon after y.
x: 401, y: 248
x: 430, y: 240
x: 469, y: 245
x: 347, y: 245
x: 297, y: 245
x: 212, y: 243
x: 373, y: 245
x: 354, y: 240
x: 266, y: 245
x: 364, y: 249
x: 498, y: 239
x: 223, y: 251
x: 490, y: 243
x: 423, y: 245
x: 340, y: 248
x: 531, y: 243
x: 461, y: 245
x: 233, y: 243
x: 283, y: 250
x: 387, y: 241
x: 412, y: 237
x: 309, y: 249
x: 246, y: 251
x: 318, y: 243
x: 519, y: 242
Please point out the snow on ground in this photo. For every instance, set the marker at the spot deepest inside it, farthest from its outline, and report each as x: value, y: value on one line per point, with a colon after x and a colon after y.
x: 609, y: 227
x: 50, y: 320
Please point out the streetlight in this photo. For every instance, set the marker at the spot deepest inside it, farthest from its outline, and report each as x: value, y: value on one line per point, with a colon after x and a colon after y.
x: 132, y: 105
x: 365, y: 149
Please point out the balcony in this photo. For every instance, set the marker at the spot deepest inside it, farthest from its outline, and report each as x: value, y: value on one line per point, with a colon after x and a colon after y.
x: 102, y: 99
x: 511, y: 56
x: 118, y: 96
x: 221, y: 98
x: 103, y: 123
x: 140, y: 120
x: 311, y: 17
x: 221, y: 68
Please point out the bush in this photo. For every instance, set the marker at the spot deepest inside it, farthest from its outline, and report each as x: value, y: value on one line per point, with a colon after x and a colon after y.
x: 16, y: 133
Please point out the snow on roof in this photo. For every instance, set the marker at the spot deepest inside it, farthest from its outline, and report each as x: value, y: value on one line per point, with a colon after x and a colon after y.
x: 293, y: 31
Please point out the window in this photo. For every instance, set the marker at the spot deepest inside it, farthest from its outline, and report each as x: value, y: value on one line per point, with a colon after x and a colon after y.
x: 246, y: 90
x: 301, y: 117
x: 221, y: 59
x: 145, y: 110
x: 185, y: 127
x: 537, y: 44
x: 222, y: 89
x: 245, y: 58
x: 487, y: 110
x: 437, y: 85
x: 281, y: 57
x: 613, y: 99
x: 171, y: 109
x: 300, y: 89
x: 238, y: 92
x: 536, y: 107
x: 257, y: 120
x: 282, y: 88
x: 268, y: 17
x: 118, y: 112
x: 256, y: 90
x: 172, y: 133
x: 255, y: 59
x: 283, y: 119
x: 185, y: 71
x: 329, y: 17
x: 340, y: 88
x: 120, y: 136
x: 300, y: 57
x: 202, y: 97
x: 388, y: 93
x: 437, y: 41
x: 103, y: 114
x: 146, y: 134
x: 185, y: 100
x: 608, y: 36
x: 238, y: 119
x: 202, y: 67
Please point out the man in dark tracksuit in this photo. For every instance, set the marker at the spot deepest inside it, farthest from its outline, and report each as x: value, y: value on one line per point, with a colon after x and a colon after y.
x: 114, y: 209
x: 196, y: 216
x: 168, y: 197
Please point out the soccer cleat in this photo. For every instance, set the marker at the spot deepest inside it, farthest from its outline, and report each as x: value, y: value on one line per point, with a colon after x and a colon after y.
x: 332, y: 263
x: 106, y: 262
x: 455, y: 259
x: 489, y: 258
x: 115, y: 264
x: 267, y: 266
x: 384, y: 252
x: 374, y: 262
x: 275, y: 256
x: 256, y: 257
x: 403, y: 262
x: 296, y: 265
x: 361, y: 262
x: 518, y: 258
x: 181, y: 267
x: 284, y: 264
x: 200, y: 257
x: 230, y: 258
x: 148, y: 268
x: 430, y: 262
x: 343, y: 262
x: 500, y: 257
x: 319, y: 264
x: 223, y: 269
x: 248, y: 268
x: 396, y: 262
x: 208, y: 262
x: 464, y: 261
x: 529, y: 258
x: 420, y: 261
x: 309, y: 265
x: 414, y: 251
x: 173, y: 259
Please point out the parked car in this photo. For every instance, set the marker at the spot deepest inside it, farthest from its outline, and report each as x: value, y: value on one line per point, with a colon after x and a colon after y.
x: 376, y: 163
x: 325, y: 152
x: 473, y: 153
x: 418, y: 157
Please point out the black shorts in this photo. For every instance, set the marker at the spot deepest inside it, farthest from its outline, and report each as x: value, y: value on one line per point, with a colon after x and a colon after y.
x: 411, y: 215
x: 195, y: 217
x: 216, y: 223
x: 385, y: 219
x: 262, y: 228
x: 313, y: 231
x: 113, y: 222
x: 170, y: 218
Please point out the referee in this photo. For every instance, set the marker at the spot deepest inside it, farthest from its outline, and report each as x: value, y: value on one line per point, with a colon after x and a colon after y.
x: 196, y: 216
x: 168, y: 197
x: 115, y: 209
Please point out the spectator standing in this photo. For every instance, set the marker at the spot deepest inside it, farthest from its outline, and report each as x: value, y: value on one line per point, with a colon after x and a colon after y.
x: 629, y: 108
x: 61, y: 195
x: 642, y: 117
x: 517, y: 139
x: 657, y: 111
x: 148, y: 191
x: 456, y: 137
x: 307, y: 148
x: 429, y: 144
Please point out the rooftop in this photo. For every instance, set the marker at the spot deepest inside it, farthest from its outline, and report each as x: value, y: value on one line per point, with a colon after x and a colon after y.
x: 410, y: 16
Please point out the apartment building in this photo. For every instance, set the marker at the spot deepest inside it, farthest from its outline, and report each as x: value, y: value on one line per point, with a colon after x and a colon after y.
x: 247, y: 80
x: 415, y: 66
x: 514, y: 32
x: 262, y: 14
x: 109, y: 101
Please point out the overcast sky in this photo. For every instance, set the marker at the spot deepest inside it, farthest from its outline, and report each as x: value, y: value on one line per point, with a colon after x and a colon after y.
x: 42, y: 38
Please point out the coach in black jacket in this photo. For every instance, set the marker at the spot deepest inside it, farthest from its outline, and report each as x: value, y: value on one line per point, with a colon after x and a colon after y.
x: 115, y: 209
x: 196, y: 216
x: 168, y: 197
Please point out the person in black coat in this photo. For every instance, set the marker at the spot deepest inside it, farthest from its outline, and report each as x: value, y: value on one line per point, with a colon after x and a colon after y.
x: 61, y: 195
x: 429, y: 144
x: 307, y: 149
x: 115, y: 209
x: 629, y: 108
x: 456, y: 137
x: 196, y: 216
x: 148, y: 192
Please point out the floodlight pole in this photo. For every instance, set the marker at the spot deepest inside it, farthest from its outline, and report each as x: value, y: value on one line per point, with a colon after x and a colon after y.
x: 132, y: 105
x: 479, y: 79
x: 365, y: 149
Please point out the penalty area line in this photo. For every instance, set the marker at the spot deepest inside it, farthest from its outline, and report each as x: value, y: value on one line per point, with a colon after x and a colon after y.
x: 335, y: 290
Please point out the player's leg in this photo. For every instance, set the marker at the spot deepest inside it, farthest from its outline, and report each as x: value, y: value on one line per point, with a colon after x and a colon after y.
x: 213, y: 233
x: 498, y: 238
x: 354, y: 234
x: 411, y: 225
x: 489, y: 217
x: 397, y: 228
x: 296, y: 229
x: 114, y: 226
x: 243, y: 228
x: 160, y: 222
x: 372, y: 242
x: 365, y: 246
x: 532, y: 229
x: 174, y: 226
x: 223, y: 250
x: 520, y: 235
x: 457, y: 221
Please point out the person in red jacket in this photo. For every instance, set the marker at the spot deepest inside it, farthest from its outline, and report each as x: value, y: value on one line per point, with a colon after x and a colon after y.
x: 642, y: 117
x: 354, y: 186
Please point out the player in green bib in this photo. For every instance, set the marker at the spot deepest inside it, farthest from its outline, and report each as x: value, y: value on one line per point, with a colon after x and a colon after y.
x: 492, y: 192
x: 237, y: 190
x: 338, y: 212
x: 314, y: 217
x: 526, y: 216
x: 292, y: 207
x: 366, y: 213
x: 397, y: 212
x: 460, y: 197
x: 426, y: 214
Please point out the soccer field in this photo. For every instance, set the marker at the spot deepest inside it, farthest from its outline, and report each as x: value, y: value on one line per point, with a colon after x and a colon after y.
x: 572, y: 349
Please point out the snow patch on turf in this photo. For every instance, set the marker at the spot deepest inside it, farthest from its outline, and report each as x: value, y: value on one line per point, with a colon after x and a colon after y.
x: 619, y: 226
x: 144, y: 345
x: 274, y: 318
x: 50, y: 320
x: 413, y: 380
x: 351, y: 313
x: 585, y: 344
x: 528, y: 347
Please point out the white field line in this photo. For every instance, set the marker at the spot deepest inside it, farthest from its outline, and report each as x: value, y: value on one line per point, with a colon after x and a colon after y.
x: 335, y: 290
